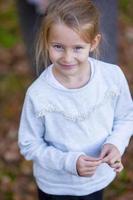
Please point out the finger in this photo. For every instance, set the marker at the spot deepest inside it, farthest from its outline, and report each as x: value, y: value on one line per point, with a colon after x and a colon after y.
x: 115, y: 165
x: 106, y: 159
x: 88, y: 173
x: 113, y: 161
x: 89, y: 164
x: 118, y: 166
x: 119, y: 169
x: 89, y: 169
x: 104, y: 152
x: 111, y: 158
x: 90, y: 158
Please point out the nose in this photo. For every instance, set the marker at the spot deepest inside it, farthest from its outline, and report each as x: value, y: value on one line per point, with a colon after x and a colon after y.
x: 68, y: 57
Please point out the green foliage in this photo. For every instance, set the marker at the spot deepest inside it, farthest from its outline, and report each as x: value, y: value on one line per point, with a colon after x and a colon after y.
x: 124, y: 5
x: 10, y: 175
x: 123, y: 177
x: 126, y: 10
x: 11, y: 84
x: 9, y: 32
x: 7, y: 39
x: 8, y: 196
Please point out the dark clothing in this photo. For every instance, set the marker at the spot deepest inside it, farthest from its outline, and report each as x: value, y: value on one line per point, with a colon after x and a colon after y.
x: 94, y: 196
x: 30, y: 22
x: 109, y: 29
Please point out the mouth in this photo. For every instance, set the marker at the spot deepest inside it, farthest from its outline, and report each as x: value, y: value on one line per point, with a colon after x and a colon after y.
x: 68, y: 66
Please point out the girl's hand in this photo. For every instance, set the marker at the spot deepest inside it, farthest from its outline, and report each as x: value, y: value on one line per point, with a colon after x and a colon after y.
x: 118, y: 166
x: 111, y: 155
x: 87, y: 165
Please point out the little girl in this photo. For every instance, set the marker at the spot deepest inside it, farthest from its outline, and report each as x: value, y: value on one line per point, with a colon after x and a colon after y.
x: 77, y: 117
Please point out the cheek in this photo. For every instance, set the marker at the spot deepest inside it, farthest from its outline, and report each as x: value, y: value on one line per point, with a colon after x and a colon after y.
x: 53, y: 55
x: 83, y: 57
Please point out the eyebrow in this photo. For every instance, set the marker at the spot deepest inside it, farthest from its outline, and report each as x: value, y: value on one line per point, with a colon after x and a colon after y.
x: 58, y: 43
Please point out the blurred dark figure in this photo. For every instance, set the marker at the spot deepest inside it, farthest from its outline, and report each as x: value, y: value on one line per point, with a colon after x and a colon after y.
x: 31, y: 13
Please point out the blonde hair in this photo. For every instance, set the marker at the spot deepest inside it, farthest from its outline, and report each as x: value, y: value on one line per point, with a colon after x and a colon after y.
x: 80, y: 15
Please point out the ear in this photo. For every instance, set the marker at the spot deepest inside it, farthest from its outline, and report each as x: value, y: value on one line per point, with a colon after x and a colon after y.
x: 95, y: 42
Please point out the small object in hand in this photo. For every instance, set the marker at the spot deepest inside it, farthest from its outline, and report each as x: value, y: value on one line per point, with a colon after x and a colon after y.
x: 117, y: 161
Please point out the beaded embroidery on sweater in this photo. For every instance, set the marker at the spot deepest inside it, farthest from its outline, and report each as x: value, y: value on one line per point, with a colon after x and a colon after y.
x: 76, y: 116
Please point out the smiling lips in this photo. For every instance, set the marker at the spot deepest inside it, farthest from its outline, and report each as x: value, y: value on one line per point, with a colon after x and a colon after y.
x: 67, y: 66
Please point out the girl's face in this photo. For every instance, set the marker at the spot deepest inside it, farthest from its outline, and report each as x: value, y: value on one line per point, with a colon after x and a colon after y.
x: 68, y: 51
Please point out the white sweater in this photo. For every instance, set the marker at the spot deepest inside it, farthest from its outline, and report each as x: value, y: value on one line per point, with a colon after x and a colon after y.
x: 59, y: 124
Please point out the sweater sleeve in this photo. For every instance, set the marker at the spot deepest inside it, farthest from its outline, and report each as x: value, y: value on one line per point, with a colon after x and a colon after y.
x: 123, y: 119
x: 33, y: 146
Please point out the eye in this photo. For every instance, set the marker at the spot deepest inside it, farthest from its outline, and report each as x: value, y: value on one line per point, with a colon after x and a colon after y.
x: 78, y: 48
x: 58, y: 47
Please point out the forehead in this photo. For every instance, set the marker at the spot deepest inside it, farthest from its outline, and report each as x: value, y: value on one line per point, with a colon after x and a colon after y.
x: 61, y: 33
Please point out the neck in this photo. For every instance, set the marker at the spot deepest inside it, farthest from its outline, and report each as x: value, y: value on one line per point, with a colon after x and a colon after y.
x: 73, y: 81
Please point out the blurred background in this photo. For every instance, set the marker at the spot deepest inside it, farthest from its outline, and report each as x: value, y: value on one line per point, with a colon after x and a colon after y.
x: 16, y: 180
